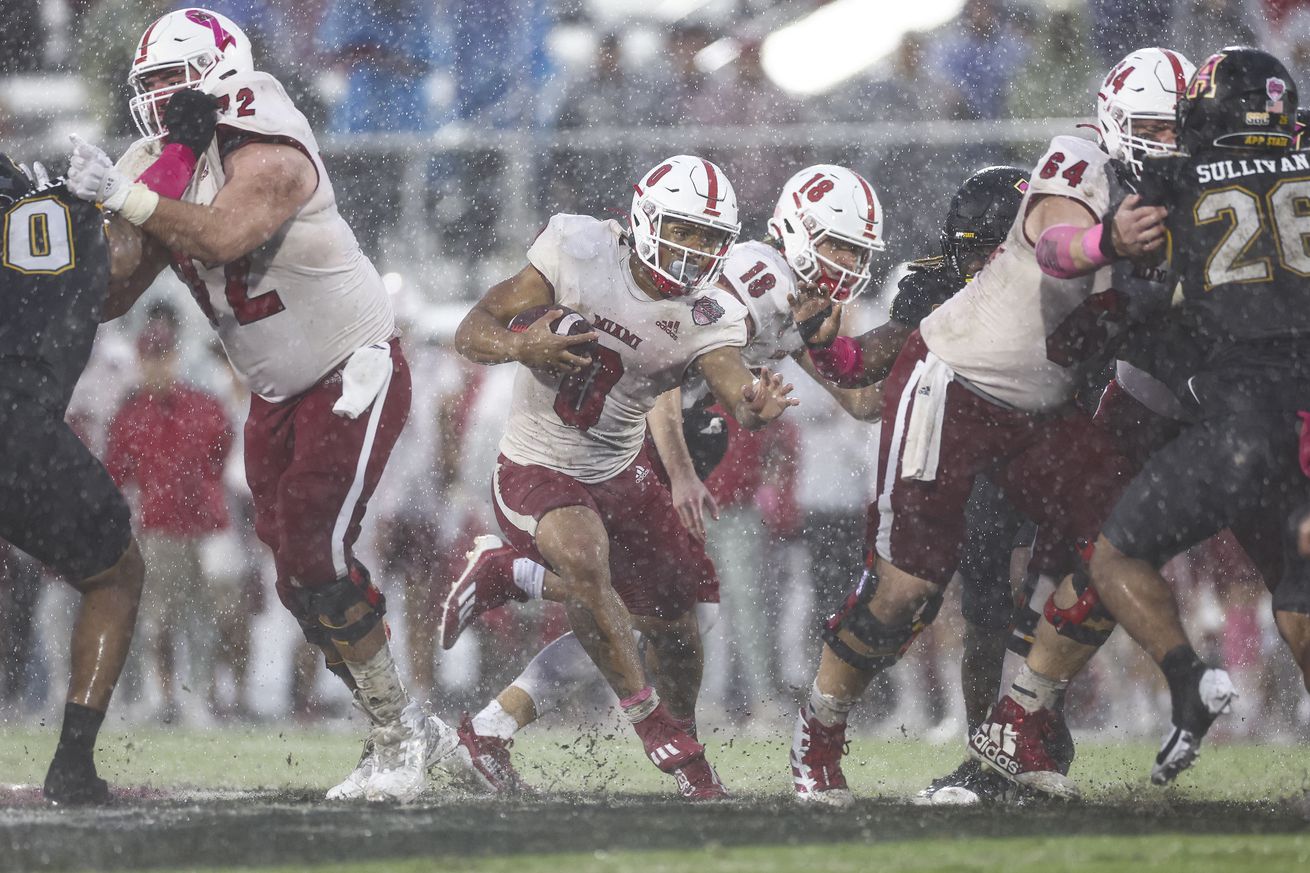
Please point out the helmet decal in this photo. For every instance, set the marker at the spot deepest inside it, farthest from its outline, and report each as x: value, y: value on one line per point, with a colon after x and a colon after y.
x: 222, y: 39
x: 712, y: 195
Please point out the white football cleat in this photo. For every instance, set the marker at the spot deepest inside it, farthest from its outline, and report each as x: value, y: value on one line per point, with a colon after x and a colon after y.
x: 352, y: 787
x: 404, y: 751
x: 1181, y: 747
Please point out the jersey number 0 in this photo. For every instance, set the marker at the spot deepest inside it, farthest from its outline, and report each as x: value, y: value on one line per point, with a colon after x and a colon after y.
x: 38, y: 237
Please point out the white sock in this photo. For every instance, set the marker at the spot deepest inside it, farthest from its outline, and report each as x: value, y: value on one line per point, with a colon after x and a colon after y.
x: 528, y: 577
x: 1033, y: 691
x: 381, y: 692
x: 494, y: 721
x: 829, y: 710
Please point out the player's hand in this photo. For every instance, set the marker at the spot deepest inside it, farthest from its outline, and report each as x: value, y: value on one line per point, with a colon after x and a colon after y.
x: 817, y: 318
x: 93, y: 177
x: 540, y: 348
x: 36, y: 174
x: 1138, y: 231
x: 190, y: 119
x: 692, y: 500
x: 767, y: 396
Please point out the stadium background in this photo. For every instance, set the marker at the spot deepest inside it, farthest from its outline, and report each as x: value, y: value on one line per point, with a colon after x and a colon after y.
x: 453, y: 129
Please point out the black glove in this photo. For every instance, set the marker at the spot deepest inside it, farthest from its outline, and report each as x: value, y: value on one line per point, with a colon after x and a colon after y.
x: 190, y: 119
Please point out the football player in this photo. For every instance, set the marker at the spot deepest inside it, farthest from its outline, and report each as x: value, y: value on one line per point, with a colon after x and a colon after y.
x: 986, y: 384
x: 574, y: 487
x: 1227, y: 211
x: 824, y: 234
x: 58, y: 259
x: 228, y: 187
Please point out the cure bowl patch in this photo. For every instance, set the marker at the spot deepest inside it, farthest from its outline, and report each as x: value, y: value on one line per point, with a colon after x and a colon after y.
x: 706, y: 311
x: 1275, y: 88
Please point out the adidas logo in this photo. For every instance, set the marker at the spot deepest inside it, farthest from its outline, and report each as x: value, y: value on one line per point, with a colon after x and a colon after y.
x: 663, y: 753
x: 995, y: 742
x: 669, y: 327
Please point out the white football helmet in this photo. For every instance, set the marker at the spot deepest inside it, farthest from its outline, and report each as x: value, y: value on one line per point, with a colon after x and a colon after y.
x: 829, y: 202
x: 1143, y: 86
x: 200, y: 44
x: 684, y: 189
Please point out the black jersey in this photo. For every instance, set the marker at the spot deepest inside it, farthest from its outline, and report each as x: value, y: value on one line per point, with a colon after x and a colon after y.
x: 1239, y: 225
x: 54, y: 275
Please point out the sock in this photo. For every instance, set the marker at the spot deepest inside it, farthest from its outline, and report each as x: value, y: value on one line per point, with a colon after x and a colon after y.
x: 381, y: 692
x: 641, y: 704
x: 829, y: 710
x: 1182, y: 667
x: 494, y: 721
x: 556, y: 673
x: 1033, y: 691
x: 77, y: 738
x: 529, y: 577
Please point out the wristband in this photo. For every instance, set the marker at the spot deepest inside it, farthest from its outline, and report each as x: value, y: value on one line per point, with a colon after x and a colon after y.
x: 1054, y: 250
x: 841, y: 363
x: 170, y: 174
x: 811, y: 325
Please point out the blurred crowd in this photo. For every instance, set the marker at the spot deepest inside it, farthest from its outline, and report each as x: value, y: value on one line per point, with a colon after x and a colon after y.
x: 161, y: 408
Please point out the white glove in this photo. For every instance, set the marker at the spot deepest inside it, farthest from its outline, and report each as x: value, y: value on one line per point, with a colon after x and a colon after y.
x: 92, y: 176
x: 36, y: 174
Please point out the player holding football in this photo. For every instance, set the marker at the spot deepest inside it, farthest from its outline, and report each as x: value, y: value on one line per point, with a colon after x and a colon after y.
x: 227, y: 186
x: 986, y: 386
x: 574, y: 487
x: 824, y: 234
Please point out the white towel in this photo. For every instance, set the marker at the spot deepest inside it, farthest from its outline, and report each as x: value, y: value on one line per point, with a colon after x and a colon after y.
x: 923, y: 434
x: 362, y: 378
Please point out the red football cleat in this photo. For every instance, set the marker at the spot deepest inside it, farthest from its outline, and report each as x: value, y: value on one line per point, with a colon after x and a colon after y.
x: 1029, y: 748
x: 489, y: 757
x: 486, y: 583
x: 816, y: 753
x: 668, y: 745
x: 698, y: 781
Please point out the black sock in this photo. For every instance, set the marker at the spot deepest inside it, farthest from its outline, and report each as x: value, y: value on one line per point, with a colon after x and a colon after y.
x: 81, y: 727
x: 1181, y: 667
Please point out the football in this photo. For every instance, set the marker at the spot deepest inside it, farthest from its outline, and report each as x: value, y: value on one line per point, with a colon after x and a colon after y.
x: 569, y: 323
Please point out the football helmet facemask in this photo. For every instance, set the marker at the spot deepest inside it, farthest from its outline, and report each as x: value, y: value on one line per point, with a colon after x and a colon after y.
x: 1144, y: 86
x: 683, y: 221
x: 827, y: 202
x: 195, y: 44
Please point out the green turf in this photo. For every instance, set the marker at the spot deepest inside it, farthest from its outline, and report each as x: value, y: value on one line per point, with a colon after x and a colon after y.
x: 1167, y: 853
x: 269, y: 757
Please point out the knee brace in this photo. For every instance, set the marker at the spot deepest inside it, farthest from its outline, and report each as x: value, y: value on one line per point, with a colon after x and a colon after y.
x: 888, y: 643
x: 1086, y: 621
x: 321, y: 611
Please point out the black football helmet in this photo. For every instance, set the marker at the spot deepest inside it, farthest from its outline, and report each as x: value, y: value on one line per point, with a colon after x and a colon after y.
x: 980, y: 217
x: 14, y: 183
x: 1240, y: 98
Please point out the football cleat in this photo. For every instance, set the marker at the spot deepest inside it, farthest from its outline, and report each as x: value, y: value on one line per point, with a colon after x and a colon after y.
x: 488, y: 759
x: 970, y: 784
x: 352, y: 787
x: 1028, y: 748
x: 71, y: 782
x: 816, y: 753
x: 404, y: 751
x: 697, y: 780
x: 1211, y: 697
x: 486, y: 583
x: 668, y: 745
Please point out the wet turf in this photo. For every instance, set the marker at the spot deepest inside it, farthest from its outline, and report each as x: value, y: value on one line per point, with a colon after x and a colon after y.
x: 603, y: 799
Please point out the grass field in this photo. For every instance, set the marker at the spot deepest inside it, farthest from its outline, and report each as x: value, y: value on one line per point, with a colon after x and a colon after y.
x: 248, y: 799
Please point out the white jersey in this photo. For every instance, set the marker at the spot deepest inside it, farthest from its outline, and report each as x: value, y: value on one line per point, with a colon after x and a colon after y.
x: 592, y: 427
x: 1009, y: 332
x: 299, y: 305
x: 758, y: 275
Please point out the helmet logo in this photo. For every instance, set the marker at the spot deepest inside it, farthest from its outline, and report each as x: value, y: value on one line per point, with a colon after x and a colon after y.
x: 222, y: 39
x: 1202, y: 84
x: 659, y: 173
x: 1275, y: 88
x: 1118, y: 77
